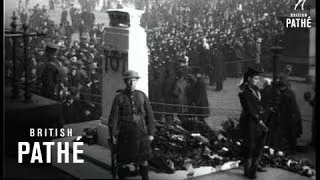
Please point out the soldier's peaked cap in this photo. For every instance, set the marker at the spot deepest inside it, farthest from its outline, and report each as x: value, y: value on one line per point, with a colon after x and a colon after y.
x: 131, y: 74
x: 252, y: 72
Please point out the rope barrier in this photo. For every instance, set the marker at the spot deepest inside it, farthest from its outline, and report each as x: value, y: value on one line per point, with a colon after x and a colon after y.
x: 167, y: 104
x: 188, y: 106
x: 183, y: 114
x: 216, y: 112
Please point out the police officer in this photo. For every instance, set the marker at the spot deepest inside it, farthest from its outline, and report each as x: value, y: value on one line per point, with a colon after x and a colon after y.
x: 132, y: 127
x: 253, y: 129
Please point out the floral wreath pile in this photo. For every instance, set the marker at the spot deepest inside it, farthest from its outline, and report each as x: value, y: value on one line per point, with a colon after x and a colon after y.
x: 178, y: 145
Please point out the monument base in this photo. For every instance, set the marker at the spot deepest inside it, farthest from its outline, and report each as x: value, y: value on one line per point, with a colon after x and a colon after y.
x: 103, y: 133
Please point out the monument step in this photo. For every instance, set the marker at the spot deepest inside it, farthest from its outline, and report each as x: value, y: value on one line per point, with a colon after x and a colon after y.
x: 96, y: 161
x: 77, y: 128
x: 97, y: 164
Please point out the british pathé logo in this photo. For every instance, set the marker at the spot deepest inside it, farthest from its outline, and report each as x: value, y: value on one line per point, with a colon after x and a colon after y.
x: 302, y: 2
x: 299, y: 17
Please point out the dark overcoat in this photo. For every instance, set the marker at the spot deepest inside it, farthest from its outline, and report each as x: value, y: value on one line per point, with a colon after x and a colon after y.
x: 50, y: 79
x: 252, y: 113
x: 200, y: 97
x: 290, y: 116
x: 131, y: 121
x: 218, y: 64
x: 180, y: 95
x: 167, y: 92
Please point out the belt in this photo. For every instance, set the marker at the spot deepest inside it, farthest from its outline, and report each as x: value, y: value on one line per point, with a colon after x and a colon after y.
x: 131, y: 118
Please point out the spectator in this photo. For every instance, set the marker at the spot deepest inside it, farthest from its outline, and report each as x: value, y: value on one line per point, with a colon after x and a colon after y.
x: 201, y: 98
x: 70, y: 110
x: 179, y: 93
x: 68, y: 33
x: 64, y: 15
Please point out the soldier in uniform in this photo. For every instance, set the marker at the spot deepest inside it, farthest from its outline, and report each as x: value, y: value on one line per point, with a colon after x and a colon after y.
x: 132, y: 127
x: 253, y: 129
x: 50, y: 72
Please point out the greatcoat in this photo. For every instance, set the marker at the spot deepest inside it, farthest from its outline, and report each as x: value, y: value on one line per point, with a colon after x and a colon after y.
x: 290, y: 118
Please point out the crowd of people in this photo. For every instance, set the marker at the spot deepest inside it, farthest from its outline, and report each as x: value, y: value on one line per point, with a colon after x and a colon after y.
x: 201, y: 36
x: 187, y: 39
x: 191, y: 31
x: 73, y: 74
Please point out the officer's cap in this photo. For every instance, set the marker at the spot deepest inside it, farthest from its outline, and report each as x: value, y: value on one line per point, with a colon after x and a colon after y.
x: 131, y: 74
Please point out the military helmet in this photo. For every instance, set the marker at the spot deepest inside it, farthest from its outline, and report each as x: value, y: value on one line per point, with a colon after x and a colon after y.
x: 131, y: 74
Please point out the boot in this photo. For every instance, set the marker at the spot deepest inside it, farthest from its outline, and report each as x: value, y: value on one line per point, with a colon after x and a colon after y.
x: 250, y: 169
x: 252, y: 172
x: 144, y: 172
x: 261, y: 169
x: 247, y: 167
x: 258, y: 167
x: 123, y: 172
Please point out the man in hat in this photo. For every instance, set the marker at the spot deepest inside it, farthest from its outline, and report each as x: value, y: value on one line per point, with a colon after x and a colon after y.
x: 290, y: 121
x: 50, y: 72
x: 252, y: 126
x: 64, y: 15
x: 72, y: 12
x: 132, y: 126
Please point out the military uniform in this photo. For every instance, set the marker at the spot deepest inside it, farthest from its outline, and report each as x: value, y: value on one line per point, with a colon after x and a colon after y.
x: 131, y: 123
x: 50, y: 73
x: 131, y: 120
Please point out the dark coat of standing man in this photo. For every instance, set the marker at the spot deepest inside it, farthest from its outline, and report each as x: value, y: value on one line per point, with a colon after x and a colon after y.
x: 132, y: 127
x: 82, y: 29
x: 51, y: 4
x: 312, y: 102
x: 49, y: 72
x: 290, y: 116
x: 219, y: 68
x: 72, y: 13
x: 64, y: 15
x: 253, y: 129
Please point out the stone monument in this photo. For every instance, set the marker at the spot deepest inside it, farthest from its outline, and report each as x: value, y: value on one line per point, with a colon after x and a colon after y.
x: 125, y: 48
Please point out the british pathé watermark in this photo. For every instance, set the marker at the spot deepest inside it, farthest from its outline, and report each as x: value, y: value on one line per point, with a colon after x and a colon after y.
x: 299, y: 17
